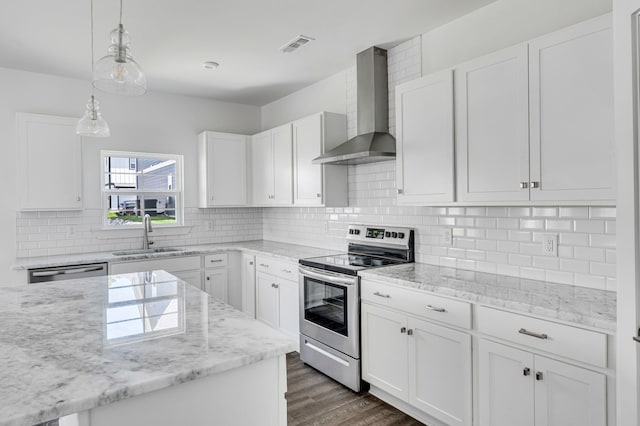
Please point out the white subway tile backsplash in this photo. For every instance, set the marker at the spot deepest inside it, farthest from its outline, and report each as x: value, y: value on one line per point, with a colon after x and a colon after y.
x: 545, y: 212
x: 558, y: 225
x: 589, y: 253
x: 602, y: 212
x: 574, y: 212
x: 591, y: 226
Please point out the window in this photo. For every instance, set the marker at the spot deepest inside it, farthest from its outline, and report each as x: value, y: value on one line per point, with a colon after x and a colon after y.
x: 135, y: 184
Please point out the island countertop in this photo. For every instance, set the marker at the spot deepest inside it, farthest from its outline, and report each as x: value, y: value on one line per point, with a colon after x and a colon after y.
x: 74, y: 345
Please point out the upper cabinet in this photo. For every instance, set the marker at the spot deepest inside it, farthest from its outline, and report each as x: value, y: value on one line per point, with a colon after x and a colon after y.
x: 223, y: 169
x: 50, y: 159
x: 315, y: 184
x: 571, y: 105
x: 272, y: 167
x: 492, y: 133
x: 424, y: 139
x: 535, y: 122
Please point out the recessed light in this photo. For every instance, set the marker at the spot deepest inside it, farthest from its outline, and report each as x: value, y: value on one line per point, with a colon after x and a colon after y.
x: 295, y: 44
x: 210, y: 65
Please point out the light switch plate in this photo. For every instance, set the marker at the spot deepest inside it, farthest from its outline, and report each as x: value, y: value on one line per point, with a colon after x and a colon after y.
x: 550, y: 244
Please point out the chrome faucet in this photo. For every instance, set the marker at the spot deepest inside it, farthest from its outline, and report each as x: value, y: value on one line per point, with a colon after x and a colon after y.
x: 146, y: 223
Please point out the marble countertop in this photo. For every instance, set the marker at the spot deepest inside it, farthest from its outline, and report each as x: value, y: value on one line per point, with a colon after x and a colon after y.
x: 74, y: 345
x: 584, y: 306
x: 291, y: 252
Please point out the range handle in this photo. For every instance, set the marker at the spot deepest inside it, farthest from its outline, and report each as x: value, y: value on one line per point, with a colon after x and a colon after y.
x: 326, y: 276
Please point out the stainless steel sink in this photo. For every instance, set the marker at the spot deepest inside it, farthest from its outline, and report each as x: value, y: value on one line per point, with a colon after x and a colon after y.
x: 147, y: 251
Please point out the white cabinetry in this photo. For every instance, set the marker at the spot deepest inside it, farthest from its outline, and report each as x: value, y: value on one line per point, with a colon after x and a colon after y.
x: 216, y: 279
x: 222, y: 169
x: 420, y: 362
x: 315, y: 184
x: 492, y: 128
x: 248, y: 278
x: 519, y: 386
x: 277, y: 295
x: 535, y: 121
x: 50, y: 163
x: 424, y: 139
x: 571, y: 98
x: 272, y: 167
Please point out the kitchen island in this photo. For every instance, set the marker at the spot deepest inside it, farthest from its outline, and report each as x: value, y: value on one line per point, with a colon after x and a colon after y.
x: 131, y: 349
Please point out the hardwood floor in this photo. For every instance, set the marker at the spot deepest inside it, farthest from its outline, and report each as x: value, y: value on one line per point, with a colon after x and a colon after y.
x: 315, y: 399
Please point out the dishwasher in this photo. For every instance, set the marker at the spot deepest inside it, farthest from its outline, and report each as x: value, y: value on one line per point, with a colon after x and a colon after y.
x: 59, y: 273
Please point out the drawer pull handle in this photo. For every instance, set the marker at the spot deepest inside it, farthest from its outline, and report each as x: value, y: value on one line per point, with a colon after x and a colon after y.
x: 274, y: 285
x: 532, y: 334
x: 526, y: 371
x: 287, y: 271
x: 386, y: 296
x: 403, y: 330
x: 215, y: 260
x: 433, y: 308
x: 264, y: 265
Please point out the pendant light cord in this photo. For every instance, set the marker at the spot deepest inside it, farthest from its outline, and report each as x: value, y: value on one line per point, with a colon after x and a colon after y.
x: 92, y: 54
x: 120, y: 12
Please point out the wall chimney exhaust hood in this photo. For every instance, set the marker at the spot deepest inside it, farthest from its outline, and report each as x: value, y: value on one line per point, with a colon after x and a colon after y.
x: 373, y: 143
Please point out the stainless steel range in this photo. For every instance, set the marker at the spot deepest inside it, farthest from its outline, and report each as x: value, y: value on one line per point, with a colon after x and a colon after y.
x: 330, y: 298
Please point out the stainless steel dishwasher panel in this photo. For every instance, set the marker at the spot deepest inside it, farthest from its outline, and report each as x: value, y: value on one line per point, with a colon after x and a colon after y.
x: 59, y: 273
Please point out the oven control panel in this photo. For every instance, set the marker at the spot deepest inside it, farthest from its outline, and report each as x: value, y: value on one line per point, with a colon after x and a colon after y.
x: 379, y: 234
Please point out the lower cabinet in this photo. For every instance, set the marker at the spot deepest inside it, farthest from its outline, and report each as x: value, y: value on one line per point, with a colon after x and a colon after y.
x: 517, y: 387
x: 186, y: 268
x: 419, y: 362
x: 277, y: 295
x: 216, y: 276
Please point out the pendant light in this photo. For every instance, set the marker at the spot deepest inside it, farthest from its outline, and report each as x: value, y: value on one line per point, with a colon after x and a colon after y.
x: 117, y: 72
x: 92, y: 123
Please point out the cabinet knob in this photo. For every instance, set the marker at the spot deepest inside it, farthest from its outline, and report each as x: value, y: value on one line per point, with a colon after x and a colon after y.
x: 250, y: 263
x: 403, y: 330
x: 539, y: 375
x: 274, y: 285
x: 318, y: 195
x: 208, y: 278
x: 400, y: 191
x: 410, y: 332
x: 526, y: 371
x: 78, y: 198
x: 535, y: 184
x: 524, y: 185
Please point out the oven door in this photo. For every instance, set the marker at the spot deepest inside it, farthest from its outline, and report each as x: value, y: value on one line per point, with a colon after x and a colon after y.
x: 329, y: 309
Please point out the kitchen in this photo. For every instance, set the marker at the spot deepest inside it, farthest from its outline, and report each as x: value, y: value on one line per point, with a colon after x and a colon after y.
x: 501, y: 233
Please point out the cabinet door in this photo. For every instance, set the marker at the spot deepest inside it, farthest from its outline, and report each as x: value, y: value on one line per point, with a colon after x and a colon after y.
x: 572, y: 134
x: 424, y: 139
x: 248, y: 277
x: 282, y: 144
x: 307, y: 145
x: 262, y: 168
x: 440, y: 366
x: 506, y: 388
x: 50, y: 163
x: 492, y: 127
x: 289, y: 311
x: 216, y: 282
x: 226, y: 169
x: 568, y: 396
x: 267, y: 299
x: 384, y: 350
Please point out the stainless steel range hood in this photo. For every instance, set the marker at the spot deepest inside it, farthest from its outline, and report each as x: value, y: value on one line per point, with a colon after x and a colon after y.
x: 373, y: 143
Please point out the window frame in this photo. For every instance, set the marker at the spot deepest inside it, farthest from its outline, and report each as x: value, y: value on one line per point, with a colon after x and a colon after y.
x: 177, y: 191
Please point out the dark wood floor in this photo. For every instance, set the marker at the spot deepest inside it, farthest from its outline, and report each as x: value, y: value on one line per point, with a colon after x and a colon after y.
x: 315, y: 399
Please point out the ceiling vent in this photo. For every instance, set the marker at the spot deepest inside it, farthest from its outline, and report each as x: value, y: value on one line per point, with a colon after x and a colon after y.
x: 295, y: 44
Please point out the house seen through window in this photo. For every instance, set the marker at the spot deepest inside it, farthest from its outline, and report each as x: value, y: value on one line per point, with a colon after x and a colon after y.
x: 135, y: 184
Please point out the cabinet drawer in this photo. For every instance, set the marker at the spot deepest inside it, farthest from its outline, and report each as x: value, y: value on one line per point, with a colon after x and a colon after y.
x: 422, y: 304
x: 279, y: 268
x: 218, y: 260
x: 171, y: 264
x: 564, y: 340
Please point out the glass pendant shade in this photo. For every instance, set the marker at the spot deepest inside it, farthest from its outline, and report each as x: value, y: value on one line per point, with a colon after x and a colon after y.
x: 92, y: 124
x: 117, y: 72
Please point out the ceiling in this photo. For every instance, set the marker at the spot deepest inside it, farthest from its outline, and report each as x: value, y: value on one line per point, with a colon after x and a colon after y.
x: 172, y: 38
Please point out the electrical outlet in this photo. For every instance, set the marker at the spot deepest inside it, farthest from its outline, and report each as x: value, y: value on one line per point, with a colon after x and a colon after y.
x: 550, y: 244
x: 208, y: 225
x: 447, y: 237
x: 72, y: 231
